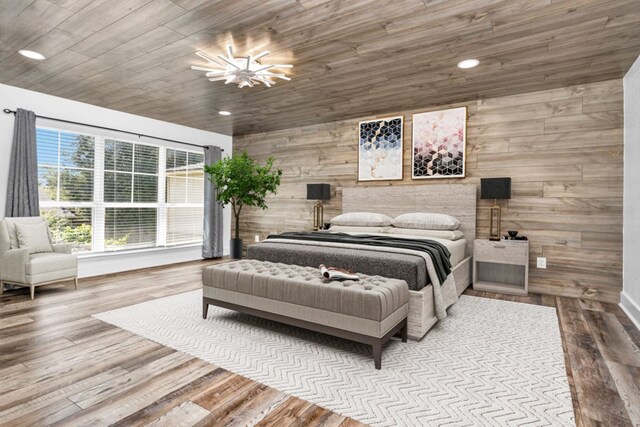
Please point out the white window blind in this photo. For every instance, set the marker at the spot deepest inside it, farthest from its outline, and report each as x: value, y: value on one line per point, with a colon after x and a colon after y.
x: 130, y: 195
x: 184, y: 192
x: 106, y: 194
x: 65, y: 185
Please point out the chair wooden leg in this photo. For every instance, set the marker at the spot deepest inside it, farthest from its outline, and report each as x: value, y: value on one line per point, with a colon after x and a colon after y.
x: 33, y: 291
x: 205, y: 309
x: 1, y: 287
x: 75, y: 282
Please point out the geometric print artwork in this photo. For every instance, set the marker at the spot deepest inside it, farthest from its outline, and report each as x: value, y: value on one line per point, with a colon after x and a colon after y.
x: 489, y: 363
x: 439, y: 139
x: 380, y: 149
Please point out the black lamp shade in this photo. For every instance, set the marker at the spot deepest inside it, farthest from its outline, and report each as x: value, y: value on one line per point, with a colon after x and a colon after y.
x: 318, y: 191
x: 495, y: 188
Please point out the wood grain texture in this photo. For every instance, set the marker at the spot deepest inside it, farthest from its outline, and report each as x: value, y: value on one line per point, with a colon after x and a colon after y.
x: 603, y: 387
x: 67, y: 368
x: 566, y: 186
x: 454, y: 199
x: 351, y: 58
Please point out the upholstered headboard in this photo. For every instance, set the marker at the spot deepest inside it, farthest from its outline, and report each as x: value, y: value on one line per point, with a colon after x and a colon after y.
x: 458, y: 200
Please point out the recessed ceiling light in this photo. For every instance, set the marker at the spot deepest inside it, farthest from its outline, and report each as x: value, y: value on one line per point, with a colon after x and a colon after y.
x: 468, y: 63
x: 31, y: 54
x: 224, y: 113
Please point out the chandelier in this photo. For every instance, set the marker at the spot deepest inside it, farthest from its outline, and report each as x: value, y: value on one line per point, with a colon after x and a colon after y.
x: 242, y: 70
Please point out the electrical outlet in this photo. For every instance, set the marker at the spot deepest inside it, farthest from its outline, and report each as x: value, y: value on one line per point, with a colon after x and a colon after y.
x: 542, y: 262
x: 257, y: 238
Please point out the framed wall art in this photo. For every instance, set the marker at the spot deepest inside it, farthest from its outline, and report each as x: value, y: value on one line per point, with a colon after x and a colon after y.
x: 380, y: 149
x: 438, y: 144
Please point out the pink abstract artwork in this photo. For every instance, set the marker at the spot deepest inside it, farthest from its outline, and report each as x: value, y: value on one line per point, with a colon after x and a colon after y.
x: 439, y: 139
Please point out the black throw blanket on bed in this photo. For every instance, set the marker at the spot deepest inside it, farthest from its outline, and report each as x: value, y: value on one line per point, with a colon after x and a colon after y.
x: 438, y: 253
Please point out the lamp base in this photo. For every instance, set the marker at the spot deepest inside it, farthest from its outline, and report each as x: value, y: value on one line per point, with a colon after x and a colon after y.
x: 318, y: 216
x: 496, y: 217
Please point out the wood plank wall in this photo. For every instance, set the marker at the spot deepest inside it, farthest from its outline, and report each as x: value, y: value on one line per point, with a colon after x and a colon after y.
x: 563, y: 149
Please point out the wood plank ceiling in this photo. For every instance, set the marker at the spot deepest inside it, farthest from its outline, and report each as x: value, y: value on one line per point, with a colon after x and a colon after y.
x: 351, y: 57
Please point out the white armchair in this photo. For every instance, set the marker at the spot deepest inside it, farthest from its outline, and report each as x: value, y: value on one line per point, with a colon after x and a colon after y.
x: 21, y: 268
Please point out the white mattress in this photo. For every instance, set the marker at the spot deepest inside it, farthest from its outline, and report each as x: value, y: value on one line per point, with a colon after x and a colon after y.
x: 458, y: 248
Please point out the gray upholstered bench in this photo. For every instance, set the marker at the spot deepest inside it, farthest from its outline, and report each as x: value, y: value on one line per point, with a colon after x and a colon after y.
x: 370, y: 310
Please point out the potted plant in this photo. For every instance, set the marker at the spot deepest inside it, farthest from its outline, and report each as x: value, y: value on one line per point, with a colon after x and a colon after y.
x: 241, y: 181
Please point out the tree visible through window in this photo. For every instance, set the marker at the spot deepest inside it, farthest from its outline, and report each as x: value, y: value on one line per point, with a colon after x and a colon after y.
x: 65, y: 182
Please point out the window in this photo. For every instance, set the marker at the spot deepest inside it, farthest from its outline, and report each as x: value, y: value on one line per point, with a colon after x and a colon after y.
x: 130, y: 172
x: 183, y: 195
x: 65, y: 185
x: 128, y: 228
x: 130, y: 178
x: 105, y: 194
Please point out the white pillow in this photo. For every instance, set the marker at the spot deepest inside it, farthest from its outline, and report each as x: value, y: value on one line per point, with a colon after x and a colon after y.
x: 35, y: 237
x: 362, y: 219
x: 11, y: 229
x: 438, y: 234
x: 426, y: 221
x: 355, y: 229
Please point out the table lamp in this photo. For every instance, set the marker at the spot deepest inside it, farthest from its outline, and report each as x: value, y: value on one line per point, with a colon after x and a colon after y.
x: 318, y: 192
x: 496, y: 189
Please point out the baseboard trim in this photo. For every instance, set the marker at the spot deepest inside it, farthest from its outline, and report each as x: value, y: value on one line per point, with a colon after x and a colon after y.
x: 630, y: 308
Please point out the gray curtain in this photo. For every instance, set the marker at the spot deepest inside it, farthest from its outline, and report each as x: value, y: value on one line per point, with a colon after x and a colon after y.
x: 22, y: 188
x: 212, y: 242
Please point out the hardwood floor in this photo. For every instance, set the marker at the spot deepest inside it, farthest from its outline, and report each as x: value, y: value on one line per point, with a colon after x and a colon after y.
x: 602, y: 356
x: 60, y: 366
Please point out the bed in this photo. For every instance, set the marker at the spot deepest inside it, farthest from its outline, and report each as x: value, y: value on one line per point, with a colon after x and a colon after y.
x: 458, y: 200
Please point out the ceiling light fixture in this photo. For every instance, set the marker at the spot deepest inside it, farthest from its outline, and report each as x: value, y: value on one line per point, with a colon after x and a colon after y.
x: 243, y: 70
x: 224, y: 113
x: 31, y: 54
x: 468, y: 63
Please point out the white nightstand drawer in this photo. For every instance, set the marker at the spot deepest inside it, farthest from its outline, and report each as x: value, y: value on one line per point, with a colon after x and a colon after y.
x: 501, y: 252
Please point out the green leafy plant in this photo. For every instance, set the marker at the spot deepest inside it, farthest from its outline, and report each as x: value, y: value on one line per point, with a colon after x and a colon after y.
x: 241, y: 181
x: 121, y: 241
x: 80, y: 234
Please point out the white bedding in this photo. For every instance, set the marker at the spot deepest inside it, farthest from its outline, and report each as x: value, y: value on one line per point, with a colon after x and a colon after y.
x: 458, y: 248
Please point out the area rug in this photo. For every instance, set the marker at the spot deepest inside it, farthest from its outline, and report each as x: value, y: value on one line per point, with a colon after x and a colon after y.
x: 490, y: 362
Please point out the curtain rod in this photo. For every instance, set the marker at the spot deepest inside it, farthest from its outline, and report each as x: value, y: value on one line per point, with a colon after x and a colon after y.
x: 8, y: 111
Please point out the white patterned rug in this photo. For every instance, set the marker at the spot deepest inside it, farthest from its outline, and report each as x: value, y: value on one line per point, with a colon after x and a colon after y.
x: 490, y: 362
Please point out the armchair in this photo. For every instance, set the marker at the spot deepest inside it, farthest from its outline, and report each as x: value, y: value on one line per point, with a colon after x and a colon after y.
x: 19, y: 267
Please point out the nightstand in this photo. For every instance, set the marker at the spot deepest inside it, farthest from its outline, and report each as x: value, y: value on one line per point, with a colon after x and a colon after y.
x: 501, y: 266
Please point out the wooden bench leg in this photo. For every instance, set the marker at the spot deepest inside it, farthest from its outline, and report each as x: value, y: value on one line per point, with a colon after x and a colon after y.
x: 377, y: 354
x: 205, y: 309
x: 404, y: 331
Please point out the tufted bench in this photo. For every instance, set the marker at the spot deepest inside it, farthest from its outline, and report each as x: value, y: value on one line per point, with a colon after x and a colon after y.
x: 370, y: 310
